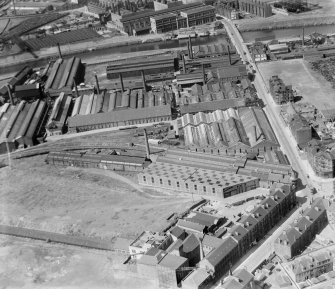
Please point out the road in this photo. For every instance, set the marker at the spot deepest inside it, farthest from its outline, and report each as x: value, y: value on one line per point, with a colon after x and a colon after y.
x: 285, y: 139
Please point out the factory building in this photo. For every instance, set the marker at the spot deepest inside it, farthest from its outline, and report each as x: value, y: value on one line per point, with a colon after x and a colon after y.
x: 146, y: 68
x: 198, y: 15
x: 232, y: 73
x: 62, y: 76
x: 21, y: 124
x: 255, y: 7
x: 200, y: 181
x: 101, y: 161
x: 280, y: 92
x: 213, y: 50
x: 58, y: 117
x: 28, y: 91
x: 230, y: 129
x: 139, y: 23
x: 301, y: 233
x: 120, y: 117
x: 311, y: 265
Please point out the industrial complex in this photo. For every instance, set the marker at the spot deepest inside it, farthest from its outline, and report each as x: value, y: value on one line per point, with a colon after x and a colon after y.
x: 180, y: 147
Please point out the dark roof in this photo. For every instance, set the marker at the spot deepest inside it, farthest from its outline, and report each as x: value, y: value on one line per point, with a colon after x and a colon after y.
x: 144, y: 14
x: 190, y: 243
x: 177, y: 231
x: 198, y: 9
x: 238, y: 232
x: 212, y: 105
x: 235, y: 71
x: 121, y: 115
x: 163, y: 16
x: 217, y: 255
x: 172, y: 261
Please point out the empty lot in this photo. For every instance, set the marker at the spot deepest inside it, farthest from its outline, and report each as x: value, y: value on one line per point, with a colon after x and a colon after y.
x: 309, y: 84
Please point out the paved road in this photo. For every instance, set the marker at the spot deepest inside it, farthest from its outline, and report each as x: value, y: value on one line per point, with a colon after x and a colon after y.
x: 285, y: 140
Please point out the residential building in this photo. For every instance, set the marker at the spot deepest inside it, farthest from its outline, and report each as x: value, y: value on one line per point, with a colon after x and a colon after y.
x: 301, y: 233
x: 240, y: 279
x: 280, y: 92
x: 301, y: 130
x: 197, y: 279
x: 311, y: 265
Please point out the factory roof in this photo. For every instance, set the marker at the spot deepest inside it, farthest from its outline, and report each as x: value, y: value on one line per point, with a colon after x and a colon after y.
x: 164, y: 16
x: 196, y: 175
x: 121, y: 159
x: 203, y: 50
x: 212, y: 105
x: 119, y: 115
x: 217, y: 255
x: 138, y: 15
x: 231, y: 72
x: 172, y: 261
x: 198, y: 9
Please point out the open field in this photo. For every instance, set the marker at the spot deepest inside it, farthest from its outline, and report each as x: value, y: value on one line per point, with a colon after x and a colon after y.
x: 35, y: 264
x: 310, y: 85
x: 87, y: 202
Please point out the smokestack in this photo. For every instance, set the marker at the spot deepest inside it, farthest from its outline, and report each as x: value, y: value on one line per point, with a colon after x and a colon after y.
x: 121, y: 82
x: 228, y: 47
x: 143, y: 79
x: 59, y: 51
x: 184, y: 64
x: 147, y: 144
x: 75, y: 87
x: 303, y: 36
x: 10, y: 95
x: 191, y: 49
x: 97, y: 83
x: 203, y: 75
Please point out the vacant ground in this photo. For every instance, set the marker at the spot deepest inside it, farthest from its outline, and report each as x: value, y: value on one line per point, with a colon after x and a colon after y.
x: 89, y: 202
x: 309, y: 84
x: 35, y: 264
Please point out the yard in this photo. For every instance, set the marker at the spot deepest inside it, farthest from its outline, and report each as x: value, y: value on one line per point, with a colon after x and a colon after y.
x: 309, y: 84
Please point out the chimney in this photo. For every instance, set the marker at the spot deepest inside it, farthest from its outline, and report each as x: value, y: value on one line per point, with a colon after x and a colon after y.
x: 75, y: 87
x: 203, y: 75
x: 303, y: 36
x: 188, y: 49
x: 191, y: 49
x: 121, y: 82
x: 143, y: 80
x: 202, y: 255
x: 254, y: 130
x: 228, y: 47
x: 59, y: 51
x: 146, y: 144
x: 97, y: 83
x: 10, y: 95
x: 184, y: 64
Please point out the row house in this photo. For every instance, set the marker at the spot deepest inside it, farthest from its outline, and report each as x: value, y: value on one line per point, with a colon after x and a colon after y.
x: 302, y: 232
